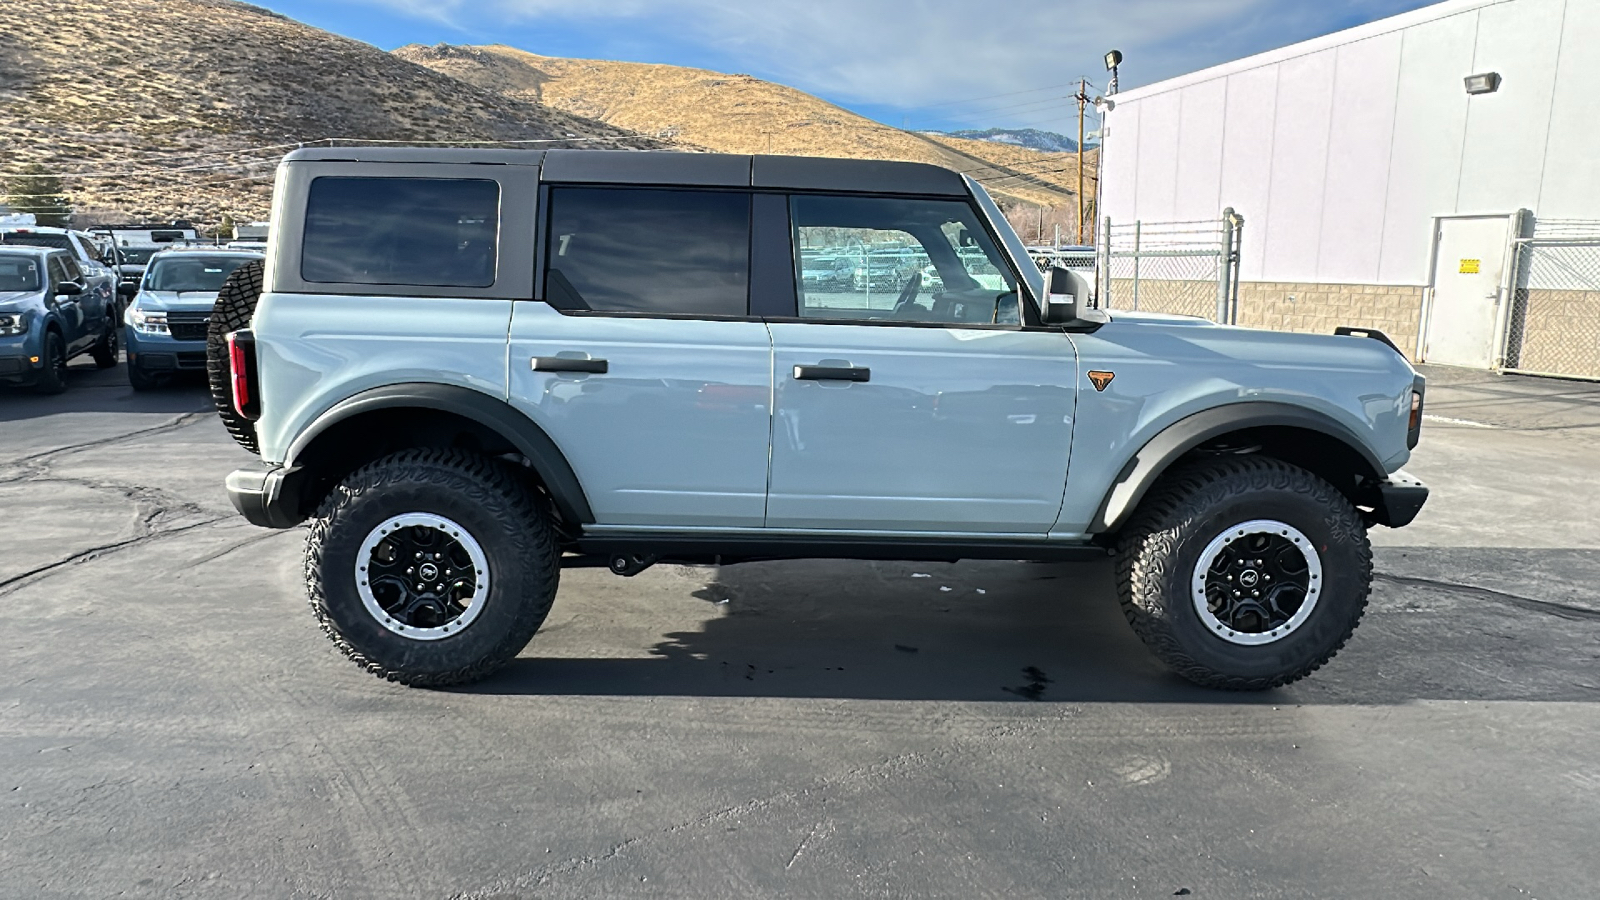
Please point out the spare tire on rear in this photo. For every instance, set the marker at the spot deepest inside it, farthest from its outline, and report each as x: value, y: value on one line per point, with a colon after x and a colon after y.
x: 236, y: 303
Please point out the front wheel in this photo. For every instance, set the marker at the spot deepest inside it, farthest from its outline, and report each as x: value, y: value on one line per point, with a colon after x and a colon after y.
x: 140, y: 379
x: 52, y: 378
x: 431, y: 567
x: 1244, y: 573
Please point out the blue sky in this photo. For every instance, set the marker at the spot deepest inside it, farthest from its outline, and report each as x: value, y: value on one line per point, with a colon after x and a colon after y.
x: 925, y: 64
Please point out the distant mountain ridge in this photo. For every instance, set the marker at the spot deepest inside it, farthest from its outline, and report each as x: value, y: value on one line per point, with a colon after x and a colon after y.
x: 1032, y: 138
x: 740, y: 114
x: 186, y: 105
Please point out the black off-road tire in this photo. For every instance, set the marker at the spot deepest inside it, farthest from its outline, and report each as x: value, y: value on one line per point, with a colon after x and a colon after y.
x: 1160, y: 547
x: 52, y: 379
x: 110, y: 343
x: 236, y: 303
x: 499, y: 512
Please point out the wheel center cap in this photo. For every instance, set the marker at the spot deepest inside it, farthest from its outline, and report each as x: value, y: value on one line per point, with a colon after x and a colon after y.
x: 428, y: 571
x: 1249, y: 578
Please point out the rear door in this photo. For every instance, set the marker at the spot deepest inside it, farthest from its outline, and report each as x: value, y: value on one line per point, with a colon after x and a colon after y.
x: 643, y: 362
x: 922, y: 405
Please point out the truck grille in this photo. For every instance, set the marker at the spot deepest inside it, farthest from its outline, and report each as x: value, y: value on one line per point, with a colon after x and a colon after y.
x: 188, y: 326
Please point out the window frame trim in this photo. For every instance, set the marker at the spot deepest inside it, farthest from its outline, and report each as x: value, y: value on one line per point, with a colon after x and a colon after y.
x: 543, y: 234
x: 1029, y: 315
x: 517, y: 188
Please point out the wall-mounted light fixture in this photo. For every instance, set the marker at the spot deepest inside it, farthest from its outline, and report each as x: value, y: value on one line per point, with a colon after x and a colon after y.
x: 1485, y: 83
x: 1113, y: 59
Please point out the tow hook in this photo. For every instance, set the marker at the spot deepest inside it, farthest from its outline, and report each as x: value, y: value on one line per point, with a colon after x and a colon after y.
x: 630, y: 564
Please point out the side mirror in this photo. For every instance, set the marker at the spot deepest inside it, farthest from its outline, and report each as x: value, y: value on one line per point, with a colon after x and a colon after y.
x: 68, y: 289
x: 128, y: 289
x: 1066, y: 299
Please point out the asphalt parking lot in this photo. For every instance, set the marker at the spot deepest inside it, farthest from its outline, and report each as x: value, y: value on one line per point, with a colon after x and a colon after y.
x: 173, y: 724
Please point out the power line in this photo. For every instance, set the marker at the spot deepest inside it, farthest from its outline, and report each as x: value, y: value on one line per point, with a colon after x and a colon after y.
x: 1052, y: 87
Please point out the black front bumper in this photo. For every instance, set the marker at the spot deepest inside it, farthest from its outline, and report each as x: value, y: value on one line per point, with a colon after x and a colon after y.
x: 1399, y: 499
x: 271, y: 497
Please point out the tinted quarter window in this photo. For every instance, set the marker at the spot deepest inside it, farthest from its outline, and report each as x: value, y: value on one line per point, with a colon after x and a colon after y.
x: 405, y: 231
x: 649, y: 251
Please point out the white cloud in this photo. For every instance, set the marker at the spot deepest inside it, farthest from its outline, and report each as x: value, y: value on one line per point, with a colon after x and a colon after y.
x: 914, y: 54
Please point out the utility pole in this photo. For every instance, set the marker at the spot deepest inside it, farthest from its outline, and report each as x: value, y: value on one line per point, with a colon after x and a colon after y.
x: 1083, y: 99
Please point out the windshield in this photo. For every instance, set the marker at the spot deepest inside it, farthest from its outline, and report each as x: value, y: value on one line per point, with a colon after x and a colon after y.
x: 136, y: 256
x: 35, y: 239
x: 18, y: 273
x: 192, y: 273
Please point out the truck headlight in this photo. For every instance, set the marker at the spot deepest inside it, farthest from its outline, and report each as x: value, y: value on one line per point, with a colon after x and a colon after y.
x: 13, y: 324
x: 146, y: 322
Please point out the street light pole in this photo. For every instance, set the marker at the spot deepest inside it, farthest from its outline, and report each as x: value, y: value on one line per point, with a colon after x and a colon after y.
x: 1083, y: 99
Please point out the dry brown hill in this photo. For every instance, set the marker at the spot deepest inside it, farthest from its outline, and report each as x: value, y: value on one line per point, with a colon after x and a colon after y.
x: 741, y: 114
x: 160, y: 94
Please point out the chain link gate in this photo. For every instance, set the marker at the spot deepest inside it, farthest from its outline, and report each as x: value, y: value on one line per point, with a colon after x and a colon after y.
x: 1186, y: 268
x: 1554, y: 319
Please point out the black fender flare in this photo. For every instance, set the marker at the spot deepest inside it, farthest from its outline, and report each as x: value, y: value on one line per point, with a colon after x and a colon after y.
x: 1171, y: 443
x: 487, y: 410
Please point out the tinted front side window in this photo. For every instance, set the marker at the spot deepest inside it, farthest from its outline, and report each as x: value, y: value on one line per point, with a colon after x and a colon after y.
x: 893, y: 259
x: 649, y: 251
x: 436, y: 232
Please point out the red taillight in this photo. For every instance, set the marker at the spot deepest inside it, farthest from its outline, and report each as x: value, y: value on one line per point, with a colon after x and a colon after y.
x: 239, y: 375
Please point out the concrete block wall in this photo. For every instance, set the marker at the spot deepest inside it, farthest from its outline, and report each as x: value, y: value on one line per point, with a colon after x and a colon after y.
x: 1289, y: 306
x: 1557, y: 332
x: 1396, y: 310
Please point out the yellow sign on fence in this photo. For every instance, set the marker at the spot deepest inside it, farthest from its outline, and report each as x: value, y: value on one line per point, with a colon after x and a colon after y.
x: 1469, y: 266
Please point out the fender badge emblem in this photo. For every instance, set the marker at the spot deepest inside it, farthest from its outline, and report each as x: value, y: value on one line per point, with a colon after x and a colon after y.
x: 1101, y: 379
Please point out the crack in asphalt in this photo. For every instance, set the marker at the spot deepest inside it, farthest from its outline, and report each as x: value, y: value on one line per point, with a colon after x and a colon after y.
x: 173, y: 425
x: 152, y: 506
x: 1547, y: 607
x: 15, y: 582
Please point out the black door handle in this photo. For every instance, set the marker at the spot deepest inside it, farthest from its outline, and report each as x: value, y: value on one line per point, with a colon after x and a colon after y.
x: 568, y: 364
x: 832, y: 373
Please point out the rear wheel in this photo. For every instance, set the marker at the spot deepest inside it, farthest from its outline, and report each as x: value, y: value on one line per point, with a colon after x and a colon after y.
x: 106, y: 350
x: 1244, y: 573
x: 236, y: 303
x: 52, y: 379
x: 431, y: 567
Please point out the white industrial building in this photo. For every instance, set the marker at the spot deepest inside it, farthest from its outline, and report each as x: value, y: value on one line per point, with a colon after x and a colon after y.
x: 1381, y: 184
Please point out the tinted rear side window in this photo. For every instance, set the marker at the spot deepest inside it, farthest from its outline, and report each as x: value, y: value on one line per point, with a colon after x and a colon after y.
x: 649, y: 251
x: 423, y: 231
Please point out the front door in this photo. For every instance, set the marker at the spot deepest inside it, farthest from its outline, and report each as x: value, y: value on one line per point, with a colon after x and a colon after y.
x: 1468, y: 265
x: 643, y: 364
x: 917, y: 402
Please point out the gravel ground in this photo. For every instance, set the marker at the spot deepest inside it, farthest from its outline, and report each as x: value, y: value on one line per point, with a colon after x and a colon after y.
x: 173, y: 724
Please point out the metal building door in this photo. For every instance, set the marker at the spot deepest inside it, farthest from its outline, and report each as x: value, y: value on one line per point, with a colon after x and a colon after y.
x: 1468, y: 265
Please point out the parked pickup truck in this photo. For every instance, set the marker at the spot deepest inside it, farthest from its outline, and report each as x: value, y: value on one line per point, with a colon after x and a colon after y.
x: 468, y: 368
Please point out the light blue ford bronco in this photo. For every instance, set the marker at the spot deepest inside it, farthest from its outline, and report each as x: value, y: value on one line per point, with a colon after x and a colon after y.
x: 470, y: 368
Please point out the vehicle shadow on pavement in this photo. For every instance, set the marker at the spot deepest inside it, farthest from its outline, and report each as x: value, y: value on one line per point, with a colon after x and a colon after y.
x: 104, y: 391
x: 975, y: 631
x: 1018, y: 632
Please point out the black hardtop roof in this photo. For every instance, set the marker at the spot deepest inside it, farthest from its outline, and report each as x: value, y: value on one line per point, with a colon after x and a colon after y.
x: 660, y: 167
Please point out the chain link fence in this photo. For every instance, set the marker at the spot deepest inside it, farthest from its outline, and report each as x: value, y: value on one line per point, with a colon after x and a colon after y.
x: 1554, y: 326
x: 1185, y: 268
